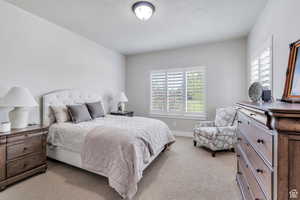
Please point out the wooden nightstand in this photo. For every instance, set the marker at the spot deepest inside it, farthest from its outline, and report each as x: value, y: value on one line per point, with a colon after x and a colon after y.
x: 126, y: 113
x: 22, y: 154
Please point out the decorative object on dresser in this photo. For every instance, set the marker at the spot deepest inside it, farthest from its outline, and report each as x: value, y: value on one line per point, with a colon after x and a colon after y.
x: 292, y: 83
x: 218, y: 135
x: 125, y: 113
x: 266, y: 95
x: 21, y: 99
x: 22, y: 154
x: 255, y: 91
x: 122, y: 99
x: 268, y: 150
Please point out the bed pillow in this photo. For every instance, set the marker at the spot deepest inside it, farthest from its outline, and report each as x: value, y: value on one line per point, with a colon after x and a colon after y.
x: 79, y: 113
x: 61, y: 114
x: 96, y: 109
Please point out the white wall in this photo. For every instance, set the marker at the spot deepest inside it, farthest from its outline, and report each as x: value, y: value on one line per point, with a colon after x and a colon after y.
x: 279, y: 19
x: 226, y: 75
x: 42, y: 56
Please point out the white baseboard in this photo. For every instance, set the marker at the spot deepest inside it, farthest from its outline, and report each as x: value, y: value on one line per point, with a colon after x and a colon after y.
x: 183, y: 133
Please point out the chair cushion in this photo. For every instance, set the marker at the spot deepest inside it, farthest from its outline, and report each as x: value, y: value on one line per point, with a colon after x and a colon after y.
x: 225, y: 116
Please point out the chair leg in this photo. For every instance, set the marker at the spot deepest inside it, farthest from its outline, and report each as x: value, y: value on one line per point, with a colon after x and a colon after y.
x: 213, y: 154
x: 195, y: 143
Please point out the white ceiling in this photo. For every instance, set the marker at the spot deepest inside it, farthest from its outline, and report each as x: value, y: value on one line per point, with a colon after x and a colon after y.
x: 175, y: 23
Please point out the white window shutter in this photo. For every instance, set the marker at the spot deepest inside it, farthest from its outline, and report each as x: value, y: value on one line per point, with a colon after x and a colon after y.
x: 261, y: 68
x: 179, y: 92
x: 175, y: 86
x: 158, y: 91
x: 195, y: 91
x: 254, y: 77
x: 265, y: 68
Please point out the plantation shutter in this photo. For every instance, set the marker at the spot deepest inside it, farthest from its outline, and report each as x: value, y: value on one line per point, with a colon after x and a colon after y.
x: 195, y: 90
x: 261, y: 66
x: 158, y: 91
x: 265, y: 68
x: 254, y: 71
x: 178, y: 92
x: 175, y: 91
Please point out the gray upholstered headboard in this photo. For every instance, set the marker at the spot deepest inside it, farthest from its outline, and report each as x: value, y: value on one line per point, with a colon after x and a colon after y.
x: 64, y: 97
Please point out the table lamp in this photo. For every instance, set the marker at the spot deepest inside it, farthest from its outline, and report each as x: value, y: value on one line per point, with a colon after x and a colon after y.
x: 21, y: 100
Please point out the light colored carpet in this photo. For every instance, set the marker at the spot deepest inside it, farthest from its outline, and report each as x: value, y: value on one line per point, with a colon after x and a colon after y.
x: 183, y: 173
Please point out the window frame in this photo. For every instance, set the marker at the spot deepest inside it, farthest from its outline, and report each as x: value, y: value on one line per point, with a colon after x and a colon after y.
x: 182, y: 114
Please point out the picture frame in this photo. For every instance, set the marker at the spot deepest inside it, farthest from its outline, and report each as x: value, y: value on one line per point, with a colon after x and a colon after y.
x: 292, y: 83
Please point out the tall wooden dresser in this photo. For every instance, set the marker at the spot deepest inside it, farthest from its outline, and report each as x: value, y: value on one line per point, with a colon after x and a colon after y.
x: 268, y: 151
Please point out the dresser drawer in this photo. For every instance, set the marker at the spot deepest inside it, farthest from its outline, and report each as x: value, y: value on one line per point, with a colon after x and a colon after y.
x: 245, y: 170
x: 246, y: 193
x: 258, y: 135
x: 27, y: 146
x: 21, y: 165
x: 260, y: 168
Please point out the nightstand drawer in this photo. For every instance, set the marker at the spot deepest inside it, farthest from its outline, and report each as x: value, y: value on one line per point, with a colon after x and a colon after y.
x: 21, y: 165
x: 24, y: 136
x: 30, y: 145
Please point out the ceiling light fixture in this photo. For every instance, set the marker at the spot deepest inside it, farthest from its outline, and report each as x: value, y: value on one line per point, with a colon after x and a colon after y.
x: 143, y: 10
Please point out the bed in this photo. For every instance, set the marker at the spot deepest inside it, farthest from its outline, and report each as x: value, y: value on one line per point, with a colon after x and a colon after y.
x: 117, y: 147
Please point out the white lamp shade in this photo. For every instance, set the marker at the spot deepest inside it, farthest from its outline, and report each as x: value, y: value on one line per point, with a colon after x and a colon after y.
x: 18, y: 97
x: 122, y: 97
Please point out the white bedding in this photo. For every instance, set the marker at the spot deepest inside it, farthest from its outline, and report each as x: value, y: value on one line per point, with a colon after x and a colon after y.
x: 71, y: 136
x: 139, y: 139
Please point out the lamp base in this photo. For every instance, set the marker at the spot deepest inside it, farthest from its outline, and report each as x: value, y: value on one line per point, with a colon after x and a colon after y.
x: 19, y: 117
x: 121, y: 107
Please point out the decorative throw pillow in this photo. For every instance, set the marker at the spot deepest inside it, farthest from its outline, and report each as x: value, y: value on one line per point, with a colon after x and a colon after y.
x: 225, y: 116
x: 96, y: 109
x: 79, y: 113
x: 61, y: 113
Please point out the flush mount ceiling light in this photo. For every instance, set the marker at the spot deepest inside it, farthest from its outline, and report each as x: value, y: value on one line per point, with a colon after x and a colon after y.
x: 143, y: 10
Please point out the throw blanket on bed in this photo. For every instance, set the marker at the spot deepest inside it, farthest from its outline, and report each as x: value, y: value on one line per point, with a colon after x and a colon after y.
x: 121, y: 154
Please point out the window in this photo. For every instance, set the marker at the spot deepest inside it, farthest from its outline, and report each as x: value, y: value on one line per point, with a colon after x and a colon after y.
x: 261, y: 68
x: 178, y: 92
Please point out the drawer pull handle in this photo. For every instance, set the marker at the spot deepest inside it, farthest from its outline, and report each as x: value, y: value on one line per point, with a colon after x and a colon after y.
x: 252, y: 114
x: 25, y: 165
x: 239, y: 121
x: 260, y: 141
x: 25, y: 149
x: 239, y: 139
x: 237, y: 155
x: 260, y: 171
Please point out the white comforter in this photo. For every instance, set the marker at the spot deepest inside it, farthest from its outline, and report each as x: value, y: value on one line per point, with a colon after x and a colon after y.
x: 99, y: 142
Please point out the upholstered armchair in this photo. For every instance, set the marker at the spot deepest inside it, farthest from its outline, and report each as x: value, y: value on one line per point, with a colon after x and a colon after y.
x: 217, y: 135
